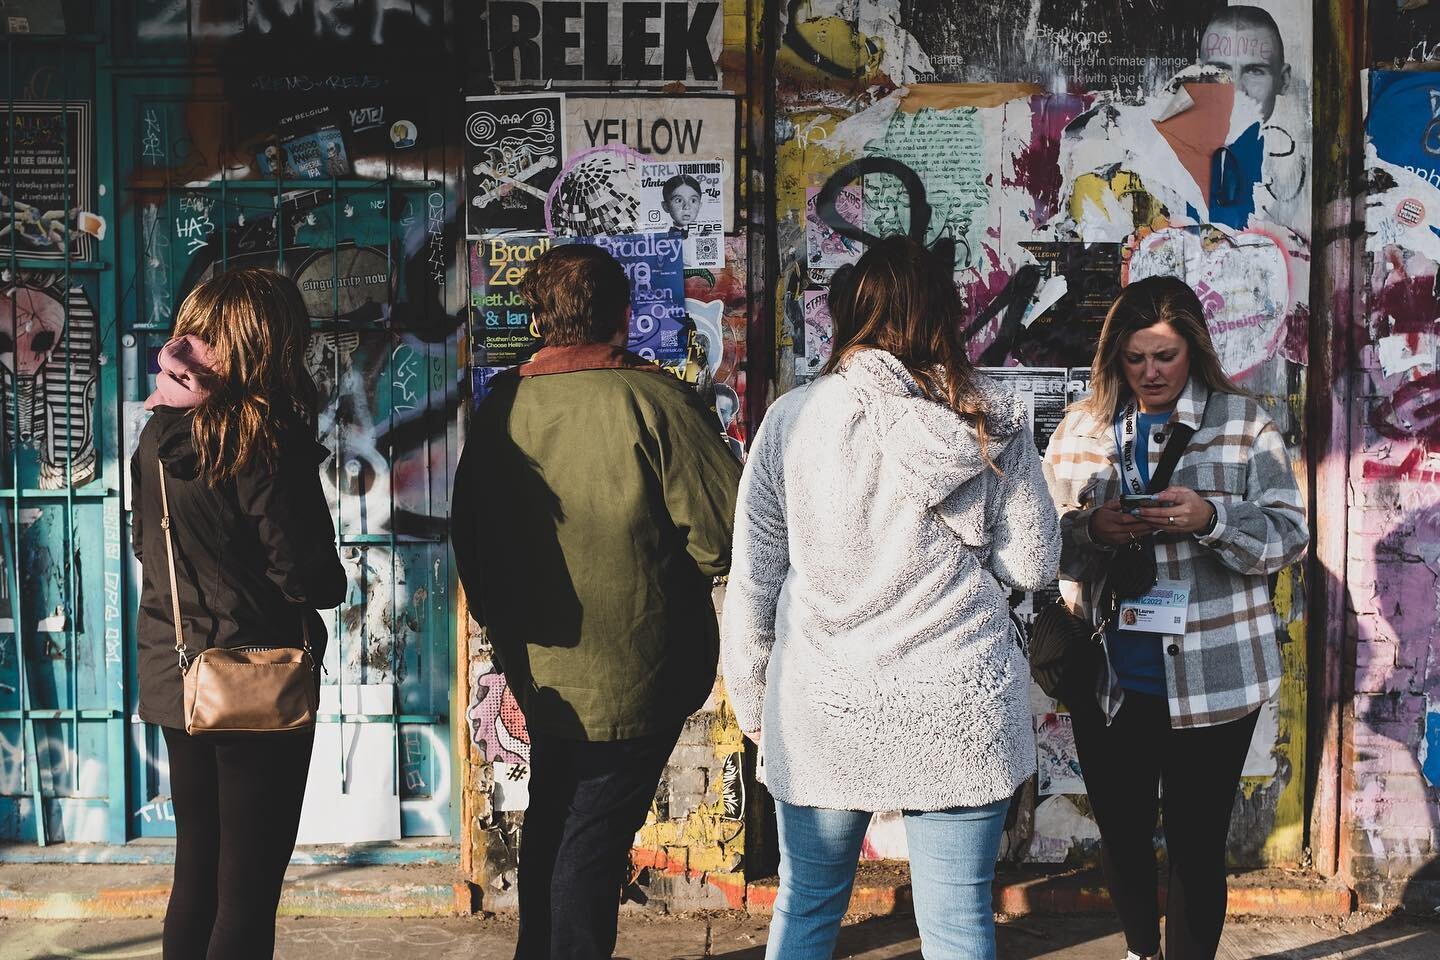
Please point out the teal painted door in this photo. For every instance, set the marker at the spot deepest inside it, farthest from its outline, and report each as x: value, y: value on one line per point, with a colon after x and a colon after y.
x: 62, y: 703
x: 361, y: 252
x: 126, y: 180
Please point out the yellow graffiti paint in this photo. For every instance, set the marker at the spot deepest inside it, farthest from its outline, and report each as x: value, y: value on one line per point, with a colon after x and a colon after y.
x: 805, y: 161
x: 713, y: 843
x: 1123, y: 188
x: 1285, y: 844
x: 837, y: 40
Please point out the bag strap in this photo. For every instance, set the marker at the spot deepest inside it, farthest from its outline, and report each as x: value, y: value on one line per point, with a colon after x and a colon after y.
x: 1179, y: 440
x: 170, y: 561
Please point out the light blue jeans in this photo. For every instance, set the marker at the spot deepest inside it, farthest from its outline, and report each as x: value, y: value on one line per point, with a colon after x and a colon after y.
x: 952, y: 865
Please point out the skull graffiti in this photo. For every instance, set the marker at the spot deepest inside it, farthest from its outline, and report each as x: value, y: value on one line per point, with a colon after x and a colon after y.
x: 30, y: 326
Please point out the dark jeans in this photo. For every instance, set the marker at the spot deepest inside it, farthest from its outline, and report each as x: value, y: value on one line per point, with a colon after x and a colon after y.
x: 237, y: 809
x: 1199, y: 771
x: 587, y: 800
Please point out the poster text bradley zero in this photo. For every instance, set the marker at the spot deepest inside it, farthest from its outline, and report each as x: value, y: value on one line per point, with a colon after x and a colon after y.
x: 633, y: 43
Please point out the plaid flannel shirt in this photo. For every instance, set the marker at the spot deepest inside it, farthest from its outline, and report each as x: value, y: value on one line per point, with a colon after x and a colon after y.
x: 1228, y: 662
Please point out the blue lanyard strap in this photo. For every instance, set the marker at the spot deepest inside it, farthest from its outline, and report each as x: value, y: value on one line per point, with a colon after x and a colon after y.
x: 1125, y: 435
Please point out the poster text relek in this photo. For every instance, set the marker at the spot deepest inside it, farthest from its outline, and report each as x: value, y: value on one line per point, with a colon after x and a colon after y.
x: 557, y: 43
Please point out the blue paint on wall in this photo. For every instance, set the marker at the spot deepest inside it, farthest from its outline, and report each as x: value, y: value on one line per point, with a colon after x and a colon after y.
x: 1431, y: 766
x: 1234, y: 171
x: 1398, y: 99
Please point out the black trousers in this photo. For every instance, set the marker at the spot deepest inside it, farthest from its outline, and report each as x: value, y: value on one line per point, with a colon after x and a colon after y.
x: 1198, y: 770
x: 587, y: 800
x: 237, y: 809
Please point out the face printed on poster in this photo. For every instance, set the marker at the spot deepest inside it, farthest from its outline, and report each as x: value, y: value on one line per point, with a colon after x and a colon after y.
x: 690, y: 198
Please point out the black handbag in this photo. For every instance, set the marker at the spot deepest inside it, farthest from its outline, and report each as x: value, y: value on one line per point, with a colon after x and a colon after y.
x: 1063, y: 647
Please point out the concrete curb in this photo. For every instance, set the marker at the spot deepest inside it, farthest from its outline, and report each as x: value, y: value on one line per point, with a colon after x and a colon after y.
x: 87, y: 892
x: 1269, y: 893
x: 95, y: 892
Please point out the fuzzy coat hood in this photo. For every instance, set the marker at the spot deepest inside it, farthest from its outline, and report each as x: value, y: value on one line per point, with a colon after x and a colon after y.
x: 929, y: 446
x: 866, y: 627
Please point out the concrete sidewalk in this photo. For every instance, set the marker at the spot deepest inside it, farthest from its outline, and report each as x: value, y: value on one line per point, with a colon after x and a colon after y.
x: 727, y: 936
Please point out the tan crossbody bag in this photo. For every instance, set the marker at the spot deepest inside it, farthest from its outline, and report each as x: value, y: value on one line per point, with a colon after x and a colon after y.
x: 253, y: 689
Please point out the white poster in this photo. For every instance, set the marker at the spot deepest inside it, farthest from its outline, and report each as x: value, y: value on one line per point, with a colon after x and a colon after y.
x: 685, y: 129
x: 1056, y: 756
x: 365, y: 805
x: 512, y: 786
x: 689, y: 197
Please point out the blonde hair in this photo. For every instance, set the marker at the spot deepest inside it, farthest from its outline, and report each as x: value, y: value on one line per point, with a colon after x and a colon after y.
x: 257, y: 326
x: 1144, y: 304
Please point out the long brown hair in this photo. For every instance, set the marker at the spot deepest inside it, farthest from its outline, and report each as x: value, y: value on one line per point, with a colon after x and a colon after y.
x: 1143, y: 304
x: 256, y: 323
x: 901, y: 298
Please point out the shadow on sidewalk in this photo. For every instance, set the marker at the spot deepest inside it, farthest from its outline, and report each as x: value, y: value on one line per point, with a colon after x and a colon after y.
x: 1022, y: 939
x: 112, y: 948
x: 1398, y: 937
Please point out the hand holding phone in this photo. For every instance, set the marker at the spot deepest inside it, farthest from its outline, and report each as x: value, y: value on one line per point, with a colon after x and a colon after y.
x: 1112, y: 524
x: 1130, y: 503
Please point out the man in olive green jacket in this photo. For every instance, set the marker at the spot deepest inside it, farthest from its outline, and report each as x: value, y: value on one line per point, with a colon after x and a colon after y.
x: 593, y: 507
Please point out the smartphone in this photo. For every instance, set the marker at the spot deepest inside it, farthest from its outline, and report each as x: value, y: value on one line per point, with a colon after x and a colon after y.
x: 1137, y: 500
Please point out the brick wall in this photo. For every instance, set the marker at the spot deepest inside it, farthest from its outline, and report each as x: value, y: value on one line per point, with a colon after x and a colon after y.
x: 1390, y: 805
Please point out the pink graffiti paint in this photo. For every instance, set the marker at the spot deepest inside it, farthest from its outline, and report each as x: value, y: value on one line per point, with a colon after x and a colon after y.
x: 977, y: 295
x: 1404, y: 302
x: 1412, y: 466
x: 496, y: 724
x: 1413, y: 410
x: 1235, y: 43
x: 1410, y: 299
x: 1295, y: 344
x: 1037, y: 166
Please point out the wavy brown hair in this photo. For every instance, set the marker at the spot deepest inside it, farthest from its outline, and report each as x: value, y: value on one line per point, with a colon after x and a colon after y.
x: 256, y: 323
x: 1143, y: 304
x: 901, y: 298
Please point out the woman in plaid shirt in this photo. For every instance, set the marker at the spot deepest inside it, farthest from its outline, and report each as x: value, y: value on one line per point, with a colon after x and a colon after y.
x: 1185, y: 669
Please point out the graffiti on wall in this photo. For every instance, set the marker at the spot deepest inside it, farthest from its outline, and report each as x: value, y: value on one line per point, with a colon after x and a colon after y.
x: 49, y: 365
x: 1393, y: 800
x: 1076, y: 148
x: 656, y: 178
x: 360, y: 256
x: 297, y: 92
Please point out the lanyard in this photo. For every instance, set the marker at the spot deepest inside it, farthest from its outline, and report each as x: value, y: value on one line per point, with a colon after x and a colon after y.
x: 1125, y: 432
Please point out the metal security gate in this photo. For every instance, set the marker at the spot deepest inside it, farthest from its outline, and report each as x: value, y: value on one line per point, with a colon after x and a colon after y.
x: 144, y: 136
x: 62, y: 704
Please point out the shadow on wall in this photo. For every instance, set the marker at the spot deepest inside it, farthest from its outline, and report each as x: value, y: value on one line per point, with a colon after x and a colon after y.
x: 1392, y: 794
x: 1398, y: 810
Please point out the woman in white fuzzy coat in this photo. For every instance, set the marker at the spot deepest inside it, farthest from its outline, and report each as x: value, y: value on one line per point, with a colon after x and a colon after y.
x: 886, y: 511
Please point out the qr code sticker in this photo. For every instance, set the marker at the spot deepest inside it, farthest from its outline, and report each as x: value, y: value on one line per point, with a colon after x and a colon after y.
x: 707, y: 249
